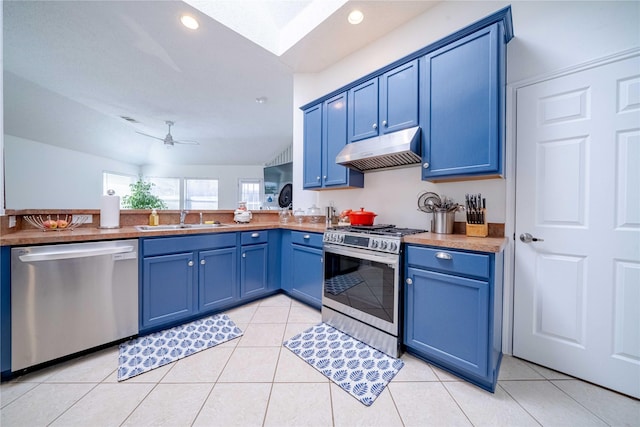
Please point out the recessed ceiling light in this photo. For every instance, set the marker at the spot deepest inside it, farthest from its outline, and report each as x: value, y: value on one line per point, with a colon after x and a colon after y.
x: 355, y: 17
x: 189, y: 22
x: 261, y: 100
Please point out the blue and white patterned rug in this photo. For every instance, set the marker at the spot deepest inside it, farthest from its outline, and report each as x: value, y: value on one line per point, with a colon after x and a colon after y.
x: 357, y: 368
x: 143, y: 354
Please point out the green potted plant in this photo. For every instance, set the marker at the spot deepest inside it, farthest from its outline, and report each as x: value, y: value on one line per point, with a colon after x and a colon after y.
x: 141, y: 197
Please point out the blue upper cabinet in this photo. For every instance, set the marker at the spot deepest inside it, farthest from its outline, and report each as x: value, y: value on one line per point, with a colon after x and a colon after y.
x: 399, y: 98
x: 334, y: 138
x: 312, y: 168
x: 384, y: 104
x: 463, y: 107
x: 454, y: 89
x: 363, y: 111
x: 325, y: 134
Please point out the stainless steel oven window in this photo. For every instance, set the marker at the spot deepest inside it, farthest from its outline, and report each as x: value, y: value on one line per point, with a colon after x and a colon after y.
x: 363, y: 285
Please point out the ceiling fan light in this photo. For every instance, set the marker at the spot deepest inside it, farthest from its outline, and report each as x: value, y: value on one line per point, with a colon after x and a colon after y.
x: 190, y: 22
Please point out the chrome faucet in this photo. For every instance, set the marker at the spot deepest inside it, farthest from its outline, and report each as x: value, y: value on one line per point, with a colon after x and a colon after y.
x: 183, y: 215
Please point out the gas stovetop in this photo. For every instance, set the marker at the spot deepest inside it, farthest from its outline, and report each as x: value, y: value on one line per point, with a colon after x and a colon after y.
x: 378, y: 229
x: 380, y: 238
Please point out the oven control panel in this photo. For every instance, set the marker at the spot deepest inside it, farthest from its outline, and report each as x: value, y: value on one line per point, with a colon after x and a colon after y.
x: 364, y: 241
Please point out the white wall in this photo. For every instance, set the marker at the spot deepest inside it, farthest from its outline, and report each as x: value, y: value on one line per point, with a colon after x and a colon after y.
x: 548, y: 36
x: 38, y: 176
x: 227, y: 177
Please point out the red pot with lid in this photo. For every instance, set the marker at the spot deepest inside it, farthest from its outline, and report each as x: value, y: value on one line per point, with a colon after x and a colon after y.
x: 361, y: 217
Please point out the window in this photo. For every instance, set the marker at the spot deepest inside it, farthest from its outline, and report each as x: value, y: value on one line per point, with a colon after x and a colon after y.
x: 200, y: 194
x: 168, y: 189
x: 250, y: 191
x: 118, y: 183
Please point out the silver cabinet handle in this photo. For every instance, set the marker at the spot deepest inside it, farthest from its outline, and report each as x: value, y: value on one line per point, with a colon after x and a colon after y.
x: 375, y: 126
x: 425, y: 165
x: 409, y: 281
x: 255, y: 235
x: 244, y: 255
x: 528, y: 238
x: 317, y: 178
x: 443, y: 255
x: 384, y: 123
x: 202, y: 262
x: 306, y: 237
x: 190, y: 263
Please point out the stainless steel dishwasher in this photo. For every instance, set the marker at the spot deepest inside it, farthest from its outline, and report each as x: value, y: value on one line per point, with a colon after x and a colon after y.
x: 71, y: 297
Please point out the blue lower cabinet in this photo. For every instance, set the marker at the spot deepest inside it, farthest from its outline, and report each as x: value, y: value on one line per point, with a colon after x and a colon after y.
x: 306, y: 274
x: 302, y: 267
x: 217, y: 284
x: 167, y: 289
x: 454, y: 319
x: 253, y: 271
x: 201, y: 278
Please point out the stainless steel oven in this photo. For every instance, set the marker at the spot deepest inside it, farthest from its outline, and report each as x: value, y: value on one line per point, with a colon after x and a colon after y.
x: 361, y: 293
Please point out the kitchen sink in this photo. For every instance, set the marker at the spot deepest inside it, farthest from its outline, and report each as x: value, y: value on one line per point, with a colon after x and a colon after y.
x: 176, y: 227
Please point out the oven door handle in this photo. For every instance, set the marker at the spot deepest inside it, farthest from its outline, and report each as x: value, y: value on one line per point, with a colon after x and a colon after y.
x: 389, y: 259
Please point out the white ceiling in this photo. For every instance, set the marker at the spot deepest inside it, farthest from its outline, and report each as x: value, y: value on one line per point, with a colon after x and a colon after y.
x: 73, y: 69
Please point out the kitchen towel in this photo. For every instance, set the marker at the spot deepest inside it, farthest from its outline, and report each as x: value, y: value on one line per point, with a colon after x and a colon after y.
x: 357, y: 368
x: 143, y: 354
x: 110, y: 210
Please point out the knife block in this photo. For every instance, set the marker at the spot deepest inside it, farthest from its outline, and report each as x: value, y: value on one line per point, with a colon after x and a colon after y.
x: 478, y: 230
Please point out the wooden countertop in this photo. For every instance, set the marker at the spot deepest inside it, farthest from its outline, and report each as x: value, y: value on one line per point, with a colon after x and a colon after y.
x: 83, y: 234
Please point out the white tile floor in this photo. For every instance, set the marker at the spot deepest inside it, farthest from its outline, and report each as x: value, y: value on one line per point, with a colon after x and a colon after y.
x: 254, y: 381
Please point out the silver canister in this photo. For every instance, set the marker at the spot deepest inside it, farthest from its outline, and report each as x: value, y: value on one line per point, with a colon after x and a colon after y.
x: 442, y: 222
x: 330, y: 213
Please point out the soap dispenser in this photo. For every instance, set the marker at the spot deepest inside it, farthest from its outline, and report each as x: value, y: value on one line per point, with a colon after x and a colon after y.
x: 154, y: 219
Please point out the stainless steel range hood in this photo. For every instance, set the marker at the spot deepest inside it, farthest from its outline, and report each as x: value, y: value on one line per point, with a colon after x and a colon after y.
x: 401, y: 148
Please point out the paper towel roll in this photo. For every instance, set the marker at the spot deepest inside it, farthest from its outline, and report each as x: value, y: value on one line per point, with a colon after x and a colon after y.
x: 110, y: 210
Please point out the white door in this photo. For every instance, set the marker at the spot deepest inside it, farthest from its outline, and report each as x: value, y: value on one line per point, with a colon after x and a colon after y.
x: 577, y: 291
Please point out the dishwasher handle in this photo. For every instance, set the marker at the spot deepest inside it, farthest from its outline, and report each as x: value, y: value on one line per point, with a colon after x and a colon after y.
x: 80, y: 253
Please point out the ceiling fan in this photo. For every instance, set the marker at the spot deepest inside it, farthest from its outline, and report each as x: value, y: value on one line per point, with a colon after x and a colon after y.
x: 168, y: 139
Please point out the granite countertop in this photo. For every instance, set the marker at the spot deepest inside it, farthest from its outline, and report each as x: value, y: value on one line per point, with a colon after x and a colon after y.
x: 458, y: 241
x: 83, y: 234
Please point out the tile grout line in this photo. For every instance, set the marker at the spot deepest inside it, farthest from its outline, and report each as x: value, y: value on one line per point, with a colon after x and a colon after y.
x: 519, y: 404
x: 580, y: 404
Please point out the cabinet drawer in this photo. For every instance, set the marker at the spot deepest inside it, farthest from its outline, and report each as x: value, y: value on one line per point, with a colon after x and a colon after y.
x: 169, y: 245
x: 307, y: 239
x: 449, y: 261
x: 252, y: 237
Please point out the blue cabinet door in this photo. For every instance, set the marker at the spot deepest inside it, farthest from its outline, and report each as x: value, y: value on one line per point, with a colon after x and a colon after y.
x: 306, y: 274
x: 253, y: 270
x: 334, y: 138
x: 217, y: 283
x: 399, y: 98
x: 447, y: 320
x: 363, y: 111
x: 312, y: 146
x: 463, y: 102
x: 325, y: 134
x: 167, y: 289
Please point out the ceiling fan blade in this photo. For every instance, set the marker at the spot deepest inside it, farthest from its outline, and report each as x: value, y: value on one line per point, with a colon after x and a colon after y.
x: 186, y: 142
x: 150, y: 136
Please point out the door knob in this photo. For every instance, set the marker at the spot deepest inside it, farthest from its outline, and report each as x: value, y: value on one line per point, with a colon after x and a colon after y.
x: 409, y: 281
x: 528, y: 238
